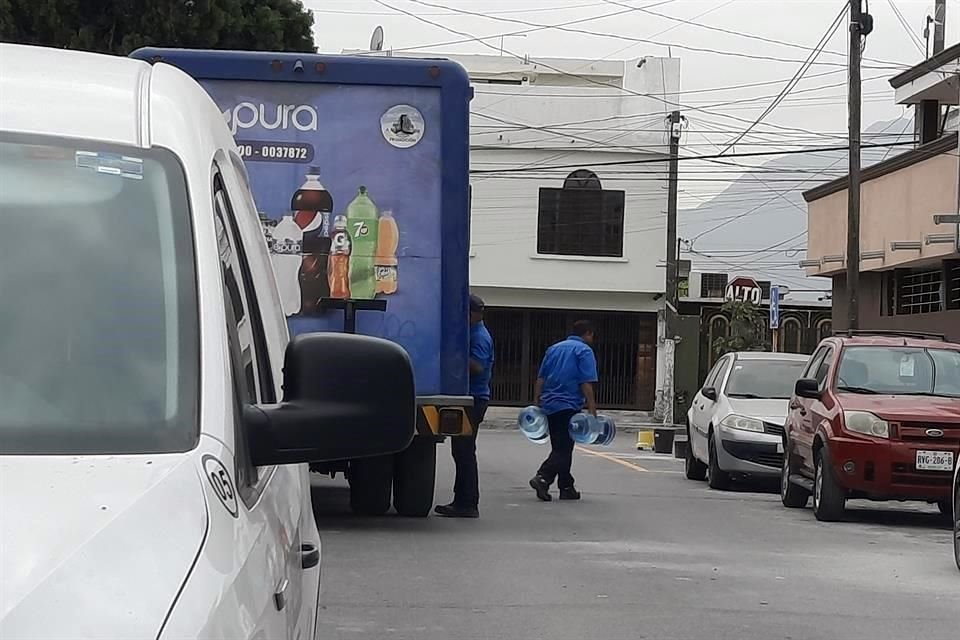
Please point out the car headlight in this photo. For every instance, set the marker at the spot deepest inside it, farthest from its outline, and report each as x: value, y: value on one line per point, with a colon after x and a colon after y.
x: 743, y: 423
x: 866, y: 423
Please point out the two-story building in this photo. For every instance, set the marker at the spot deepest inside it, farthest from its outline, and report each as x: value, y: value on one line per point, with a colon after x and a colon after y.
x: 910, y: 209
x: 569, y: 201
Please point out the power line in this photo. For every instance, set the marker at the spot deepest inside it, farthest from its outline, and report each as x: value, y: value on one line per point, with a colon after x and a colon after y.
x: 887, y: 66
x: 832, y: 29
x: 914, y: 38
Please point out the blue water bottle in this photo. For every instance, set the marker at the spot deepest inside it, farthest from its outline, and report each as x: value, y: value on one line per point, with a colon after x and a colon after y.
x: 587, y: 429
x: 533, y: 424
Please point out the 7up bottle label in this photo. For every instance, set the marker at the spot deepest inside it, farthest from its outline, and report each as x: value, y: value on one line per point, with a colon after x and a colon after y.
x: 362, y: 225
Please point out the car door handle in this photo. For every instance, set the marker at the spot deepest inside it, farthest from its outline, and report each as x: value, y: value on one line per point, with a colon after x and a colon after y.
x: 280, y: 595
x: 309, y: 555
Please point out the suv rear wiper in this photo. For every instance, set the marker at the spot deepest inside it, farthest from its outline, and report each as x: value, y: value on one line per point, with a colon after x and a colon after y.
x: 863, y: 390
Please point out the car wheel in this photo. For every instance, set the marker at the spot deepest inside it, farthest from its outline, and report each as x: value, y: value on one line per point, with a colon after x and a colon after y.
x: 717, y: 478
x: 693, y: 468
x: 956, y: 530
x: 792, y: 496
x: 829, y: 499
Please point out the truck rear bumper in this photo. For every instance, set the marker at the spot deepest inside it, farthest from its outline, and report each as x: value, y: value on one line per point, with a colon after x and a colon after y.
x: 444, y: 416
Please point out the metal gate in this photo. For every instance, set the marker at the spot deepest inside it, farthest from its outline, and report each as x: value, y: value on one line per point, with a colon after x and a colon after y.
x: 626, y: 353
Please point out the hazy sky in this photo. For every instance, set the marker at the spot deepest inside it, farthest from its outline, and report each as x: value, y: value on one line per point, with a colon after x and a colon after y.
x: 348, y: 24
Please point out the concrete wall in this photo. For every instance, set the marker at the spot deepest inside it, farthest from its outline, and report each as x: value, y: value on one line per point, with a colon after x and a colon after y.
x: 896, y: 207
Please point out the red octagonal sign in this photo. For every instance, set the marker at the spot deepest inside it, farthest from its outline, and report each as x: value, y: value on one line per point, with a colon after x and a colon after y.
x: 744, y: 290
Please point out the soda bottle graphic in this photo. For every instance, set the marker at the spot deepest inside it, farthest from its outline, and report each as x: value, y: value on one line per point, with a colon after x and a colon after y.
x: 385, y: 263
x: 338, y: 269
x: 363, y: 227
x: 312, y: 206
x: 285, y: 249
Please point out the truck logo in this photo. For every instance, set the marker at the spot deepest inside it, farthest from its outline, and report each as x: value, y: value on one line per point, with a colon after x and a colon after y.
x: 247, y: 115
x: 935, y: 433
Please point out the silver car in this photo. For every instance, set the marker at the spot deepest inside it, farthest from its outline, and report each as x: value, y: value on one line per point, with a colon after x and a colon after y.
x: 735, y: 424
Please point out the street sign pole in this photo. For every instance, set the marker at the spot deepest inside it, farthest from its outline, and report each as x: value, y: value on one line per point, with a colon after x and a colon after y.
x: 775, y: 317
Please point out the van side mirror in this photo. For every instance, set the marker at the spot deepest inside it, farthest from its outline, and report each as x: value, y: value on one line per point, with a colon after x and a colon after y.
x: 344, y: 397
x: 807, y: 388
x: 710, y: 393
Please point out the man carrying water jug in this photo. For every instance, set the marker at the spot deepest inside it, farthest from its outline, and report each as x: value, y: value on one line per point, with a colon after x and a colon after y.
x: 466, y: 487
x: 564, y: 387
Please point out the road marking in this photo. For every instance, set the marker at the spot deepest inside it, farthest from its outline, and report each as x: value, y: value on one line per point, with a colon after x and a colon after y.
x: 607, y: 456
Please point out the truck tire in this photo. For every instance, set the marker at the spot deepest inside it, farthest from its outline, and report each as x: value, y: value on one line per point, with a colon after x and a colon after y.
x: 829, y: 498
x: 371, y: 480
x: 414, y: 475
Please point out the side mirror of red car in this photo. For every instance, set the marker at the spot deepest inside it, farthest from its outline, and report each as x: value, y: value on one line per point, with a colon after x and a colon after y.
x: 807, y: 388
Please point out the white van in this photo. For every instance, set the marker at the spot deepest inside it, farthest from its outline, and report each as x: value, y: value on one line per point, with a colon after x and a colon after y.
x: 155, y: 424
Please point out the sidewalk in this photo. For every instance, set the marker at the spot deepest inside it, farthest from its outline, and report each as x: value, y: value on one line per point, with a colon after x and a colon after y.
x: 626, y: 421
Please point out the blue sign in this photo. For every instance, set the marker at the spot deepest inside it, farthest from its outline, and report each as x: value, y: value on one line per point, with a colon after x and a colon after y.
x: 774, y: 307
x: 348, y: 182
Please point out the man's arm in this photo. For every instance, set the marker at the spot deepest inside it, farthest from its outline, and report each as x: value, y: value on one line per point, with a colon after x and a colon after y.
x: 538, y: 391
x: 475, y: 367
x: 587, y: 389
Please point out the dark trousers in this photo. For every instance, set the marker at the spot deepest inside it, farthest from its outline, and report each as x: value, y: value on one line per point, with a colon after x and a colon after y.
x: 557, y: 465
x: 466, y: 487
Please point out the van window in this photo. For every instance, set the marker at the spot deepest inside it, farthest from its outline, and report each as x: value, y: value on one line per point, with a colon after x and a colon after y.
x: 99, y: 316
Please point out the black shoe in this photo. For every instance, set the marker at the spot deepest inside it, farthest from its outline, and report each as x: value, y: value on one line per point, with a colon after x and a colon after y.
x: 454, y: 510
x: 542, y: 487
x: 570, y: 493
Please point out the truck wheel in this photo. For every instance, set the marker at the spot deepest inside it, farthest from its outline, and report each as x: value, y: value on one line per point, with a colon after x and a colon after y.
x: 956, y: 530
x: 414, y: 474
x: 693, y: 468
x: 791, y: 495
x: 829, y: 499
x: 946, y: 507
x: 371, y: 480
x: 716, y: 477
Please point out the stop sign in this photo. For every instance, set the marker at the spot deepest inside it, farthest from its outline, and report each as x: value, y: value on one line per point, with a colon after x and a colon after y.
x: 744, y: 289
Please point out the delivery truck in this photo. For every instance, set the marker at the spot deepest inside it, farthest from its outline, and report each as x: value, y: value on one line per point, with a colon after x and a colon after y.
x: 360, y: 170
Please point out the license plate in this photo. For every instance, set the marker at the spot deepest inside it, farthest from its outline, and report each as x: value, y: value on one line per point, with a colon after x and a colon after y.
x: 935, y: 460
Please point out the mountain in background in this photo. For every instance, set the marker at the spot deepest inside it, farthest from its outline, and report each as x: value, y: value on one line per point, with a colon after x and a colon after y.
x: 749, y: 230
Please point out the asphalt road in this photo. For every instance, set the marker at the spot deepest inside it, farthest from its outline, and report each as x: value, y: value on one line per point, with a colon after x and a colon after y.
x: 645, y: 554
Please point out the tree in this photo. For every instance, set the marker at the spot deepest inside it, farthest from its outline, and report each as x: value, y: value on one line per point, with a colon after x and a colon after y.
x: 746, y: 332
x: 120, y: 26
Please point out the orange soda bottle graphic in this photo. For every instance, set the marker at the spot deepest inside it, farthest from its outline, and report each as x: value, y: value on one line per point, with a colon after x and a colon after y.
x: 338, y: 267
x: 385, y: 262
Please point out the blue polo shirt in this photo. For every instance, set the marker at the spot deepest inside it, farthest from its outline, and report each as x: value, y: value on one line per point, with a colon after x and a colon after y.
x: 566, y: 366
x: 481, y: 350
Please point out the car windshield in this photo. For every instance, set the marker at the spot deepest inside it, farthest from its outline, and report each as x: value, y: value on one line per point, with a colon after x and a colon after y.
x: 900, y: 371
x: 99, y: 319
x: 763, y: 378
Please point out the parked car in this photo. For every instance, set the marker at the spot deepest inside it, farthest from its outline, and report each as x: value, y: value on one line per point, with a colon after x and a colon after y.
x: 735, y: 423
x: 157, y: 424
x: 875, y: 415
x: 956, y: 516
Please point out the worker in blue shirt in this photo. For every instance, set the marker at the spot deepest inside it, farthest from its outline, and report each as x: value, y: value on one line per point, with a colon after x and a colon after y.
x: 466, y: 487
x: 564, y: 388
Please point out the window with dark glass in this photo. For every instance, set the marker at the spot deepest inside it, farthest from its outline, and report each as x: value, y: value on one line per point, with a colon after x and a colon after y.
x: 713, y: 285
x: 580, y: 219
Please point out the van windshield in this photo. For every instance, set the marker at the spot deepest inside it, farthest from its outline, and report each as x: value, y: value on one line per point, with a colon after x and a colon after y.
x: 900, y: 371
x: 99, y: 314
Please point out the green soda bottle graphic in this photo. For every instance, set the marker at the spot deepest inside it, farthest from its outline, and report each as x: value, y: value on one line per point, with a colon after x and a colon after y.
x: 362, y: 225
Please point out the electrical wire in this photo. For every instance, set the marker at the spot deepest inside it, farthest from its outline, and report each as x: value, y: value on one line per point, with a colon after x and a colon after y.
x: 914, y: 38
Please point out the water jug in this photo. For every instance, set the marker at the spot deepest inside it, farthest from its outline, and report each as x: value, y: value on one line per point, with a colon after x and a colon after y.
x: 533, y: 424
x: 587, y: 429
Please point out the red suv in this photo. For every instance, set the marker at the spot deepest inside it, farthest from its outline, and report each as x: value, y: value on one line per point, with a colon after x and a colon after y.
x: 875, y: 415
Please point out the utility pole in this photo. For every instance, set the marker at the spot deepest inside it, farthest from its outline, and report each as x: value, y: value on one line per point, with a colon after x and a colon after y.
x: 671, y: 296
x: 939, y: 25
x: 859, y: 27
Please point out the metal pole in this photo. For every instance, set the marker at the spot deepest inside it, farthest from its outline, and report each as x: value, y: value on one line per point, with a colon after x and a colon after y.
x: 853, y: 189
x: 672, y: 244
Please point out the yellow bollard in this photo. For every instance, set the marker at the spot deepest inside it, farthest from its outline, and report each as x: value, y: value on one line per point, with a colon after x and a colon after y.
x: 645, y: 440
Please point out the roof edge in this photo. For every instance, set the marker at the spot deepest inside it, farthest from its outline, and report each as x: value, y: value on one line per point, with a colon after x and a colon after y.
x: 928, y: 65
x: 902, y: 161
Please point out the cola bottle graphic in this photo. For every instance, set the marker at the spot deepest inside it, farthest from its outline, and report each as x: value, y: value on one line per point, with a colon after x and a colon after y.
x: 312, y: 205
